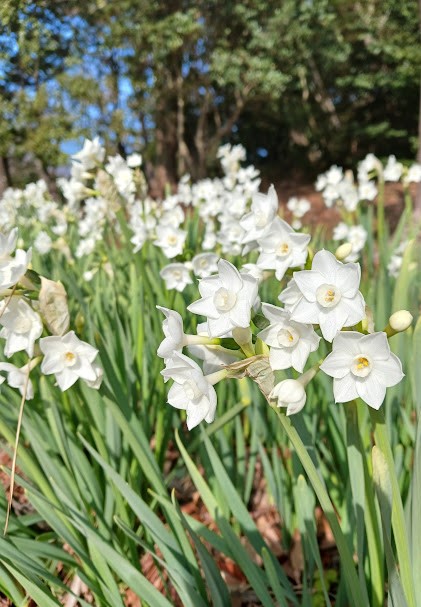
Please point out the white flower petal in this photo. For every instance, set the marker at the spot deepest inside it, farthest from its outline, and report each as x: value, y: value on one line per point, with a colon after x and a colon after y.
x: 326, y: 264
x: 348, y: 279
x: 371, y: 390
x: 344, y: 389
x: 376, y: 345
x: 176, y: 397
x: 308, y: 281
x: 332, y: 320
x: 299, y: 355
x: 280, y: 358
x: 389, y: 372
x: 229, y: 275
x: 204, y: 307
x: 338, y: 363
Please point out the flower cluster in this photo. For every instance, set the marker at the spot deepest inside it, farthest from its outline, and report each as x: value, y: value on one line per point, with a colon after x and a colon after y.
x: 243, y: 336
x: 27, y: 313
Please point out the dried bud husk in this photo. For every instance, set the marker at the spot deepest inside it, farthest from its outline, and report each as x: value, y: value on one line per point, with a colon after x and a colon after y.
x: 53, y: 306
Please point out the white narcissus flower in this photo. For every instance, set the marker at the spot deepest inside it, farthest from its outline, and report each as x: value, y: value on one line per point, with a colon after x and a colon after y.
x: 282, y: 248
x: 330, y: 293
x: 91, y: 154
x: 18, y: 378
x: 134, y: 160
x: 68, y: 358
x: 175, y: 338
x: 263, y: 210
x: 289, y: 393
x: 8, y: 243
x: 21, y: 326
x: 43, y: 243
x: 414, y: 173
x: 227, y: 299
x: 290, y: 342
x: 362, y: 366
x: 205, y: 264
x: 191, y: 390
x: 174, y: 334
x: 170, y: 240
x: 393, y: 169
x: 176, y: 276
x: 11, y: 268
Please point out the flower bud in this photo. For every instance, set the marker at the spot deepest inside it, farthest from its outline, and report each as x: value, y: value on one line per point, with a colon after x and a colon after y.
x: 244, y: 339
x: 343, y: 251
x: 289, y: 393
x: 242, y: 335
x: 398, y: 322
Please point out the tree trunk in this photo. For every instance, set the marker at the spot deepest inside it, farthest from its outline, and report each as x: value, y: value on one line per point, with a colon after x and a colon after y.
x: 5, y: 177
x: 183, y: 154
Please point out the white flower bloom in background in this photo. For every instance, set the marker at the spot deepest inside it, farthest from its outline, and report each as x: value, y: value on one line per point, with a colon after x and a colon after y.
x: 12, y: 269
x: 140, y: 236
x: 414, y: 173
x: 18, y: 378
x: 21, y: 326
x: 8, y: 244
x: 367, y: 190
x: 369, y: 165
x: 209, y: 241
x: 393, y: 169
x: 191, y: 390
x: 340, y: 231
x: 290, y: 342
x: 134, y: 160
x: 289, y: 393
x: 282, y: 248
x: 173, y: 218
x: 263, y: 210
x: 89, y: 274
x: 43, y: 243
x: 91, y: 154
x: 170, y: 240
x: 68, y: 358
x: 357, y: 237
x: 362, y: 366
x: 298, y: 206
x: 176, y: 276
x: 227, y: 299
x: 394, y: 265
x: 205, y: 264
x: 330, y: 293
x: 85, y: 247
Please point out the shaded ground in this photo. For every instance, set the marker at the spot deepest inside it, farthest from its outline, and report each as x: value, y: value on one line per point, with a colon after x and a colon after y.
x: 320, y: 214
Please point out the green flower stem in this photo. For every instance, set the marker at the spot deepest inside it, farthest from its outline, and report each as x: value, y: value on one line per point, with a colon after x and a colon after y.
x: 363, y: 498
x: 398, y: 518
x: 355, y: 593
x: 201, y: 340
x: 381, y: 221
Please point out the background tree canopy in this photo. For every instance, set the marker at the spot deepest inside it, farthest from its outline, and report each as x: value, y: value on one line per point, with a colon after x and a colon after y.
x: 301, y: 84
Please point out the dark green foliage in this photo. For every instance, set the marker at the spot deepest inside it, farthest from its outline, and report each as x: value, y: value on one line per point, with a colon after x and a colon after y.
x: 310, y: 82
